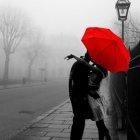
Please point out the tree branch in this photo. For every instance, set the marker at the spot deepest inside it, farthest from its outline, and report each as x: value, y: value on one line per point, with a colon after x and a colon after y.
x: 12, y: 30
x: 16, y: 45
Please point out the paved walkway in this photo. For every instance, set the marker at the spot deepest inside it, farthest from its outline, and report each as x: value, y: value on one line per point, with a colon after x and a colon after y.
x: 56, y: 125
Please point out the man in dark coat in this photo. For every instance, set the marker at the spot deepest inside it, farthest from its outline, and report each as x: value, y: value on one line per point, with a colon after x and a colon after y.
x: 78, y: 88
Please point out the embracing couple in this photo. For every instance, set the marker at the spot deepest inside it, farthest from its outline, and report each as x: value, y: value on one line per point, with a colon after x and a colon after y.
x: 84, y: 84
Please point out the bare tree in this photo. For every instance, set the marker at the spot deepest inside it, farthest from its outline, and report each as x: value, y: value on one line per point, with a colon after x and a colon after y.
x: 12, y: 30
x: 34, y: 50
x: 131, y: 30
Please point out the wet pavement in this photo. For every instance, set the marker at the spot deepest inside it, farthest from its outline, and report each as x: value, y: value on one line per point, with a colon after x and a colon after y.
x: 56, y: 124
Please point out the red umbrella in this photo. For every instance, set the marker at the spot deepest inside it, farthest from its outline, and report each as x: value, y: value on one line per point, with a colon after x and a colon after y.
x: 106, y: 48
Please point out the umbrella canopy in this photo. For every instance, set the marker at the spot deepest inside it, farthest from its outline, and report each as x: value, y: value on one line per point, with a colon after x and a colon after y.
x: 106, y: 48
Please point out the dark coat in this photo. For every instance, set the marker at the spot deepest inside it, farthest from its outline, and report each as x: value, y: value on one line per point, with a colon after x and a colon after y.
x: 78, y: 89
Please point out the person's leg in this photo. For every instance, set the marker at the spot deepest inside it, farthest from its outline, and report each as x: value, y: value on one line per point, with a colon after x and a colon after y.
x: 77, y: 128
x: 102, y: 130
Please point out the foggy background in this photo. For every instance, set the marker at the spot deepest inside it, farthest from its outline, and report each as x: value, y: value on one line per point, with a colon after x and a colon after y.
x: 56, y: 29
x: 35, y: 37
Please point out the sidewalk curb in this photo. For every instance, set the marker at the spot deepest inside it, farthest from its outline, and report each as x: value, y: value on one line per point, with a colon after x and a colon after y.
x: 19, y: 86
x: 48, y: 112
x: 39, y: 118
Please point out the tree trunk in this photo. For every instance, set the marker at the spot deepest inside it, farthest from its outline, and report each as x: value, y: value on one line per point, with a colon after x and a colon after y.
x: 6, y: 70
x: 29, y: 71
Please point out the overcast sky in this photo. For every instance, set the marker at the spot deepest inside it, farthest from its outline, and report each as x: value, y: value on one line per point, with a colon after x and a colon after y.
x: 70, y: 16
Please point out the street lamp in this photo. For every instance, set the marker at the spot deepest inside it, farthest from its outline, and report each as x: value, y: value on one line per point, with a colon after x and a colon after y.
x: 122, y: 7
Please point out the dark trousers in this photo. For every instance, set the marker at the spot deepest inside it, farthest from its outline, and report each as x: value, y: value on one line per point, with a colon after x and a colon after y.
x: 77, y: 128
x: 81, y: 113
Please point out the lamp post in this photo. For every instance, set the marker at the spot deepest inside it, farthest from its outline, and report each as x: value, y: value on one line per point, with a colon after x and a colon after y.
x: 122, y: 7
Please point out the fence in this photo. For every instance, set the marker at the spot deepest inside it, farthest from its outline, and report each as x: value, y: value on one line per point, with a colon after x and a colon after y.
x: 125, y: 88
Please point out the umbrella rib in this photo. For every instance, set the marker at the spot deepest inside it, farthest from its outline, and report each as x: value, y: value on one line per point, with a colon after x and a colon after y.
x: 115, y: 53
x: 123, y: 54
x: 104, y: 48
x: 99, y: 38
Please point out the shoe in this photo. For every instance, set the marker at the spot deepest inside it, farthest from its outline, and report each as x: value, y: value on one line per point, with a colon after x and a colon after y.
x: 104, y: 134
x: 107, y: 136
x: 102, y: 130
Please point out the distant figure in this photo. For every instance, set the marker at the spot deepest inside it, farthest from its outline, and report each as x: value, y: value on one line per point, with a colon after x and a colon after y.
x: 45, y: 79
x: 79, y: 89
x: 24, y: 80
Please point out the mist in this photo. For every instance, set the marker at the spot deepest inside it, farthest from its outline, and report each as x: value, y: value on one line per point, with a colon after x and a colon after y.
x: 35, y: 37
x: 53, y: 30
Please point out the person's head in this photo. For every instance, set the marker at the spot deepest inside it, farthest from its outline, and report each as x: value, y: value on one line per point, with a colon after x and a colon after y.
x: 87, y: 57
x: 105, y: 72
